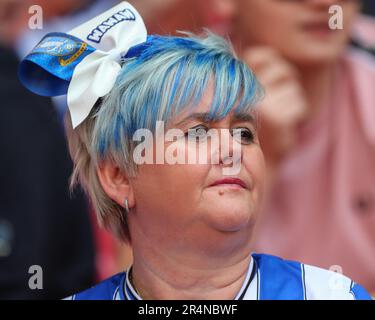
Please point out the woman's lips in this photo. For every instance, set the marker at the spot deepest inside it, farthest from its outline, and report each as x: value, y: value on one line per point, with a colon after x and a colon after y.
x: 230, y: 182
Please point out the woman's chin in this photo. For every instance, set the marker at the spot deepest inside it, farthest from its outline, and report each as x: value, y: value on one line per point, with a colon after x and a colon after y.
x: 230, y: 220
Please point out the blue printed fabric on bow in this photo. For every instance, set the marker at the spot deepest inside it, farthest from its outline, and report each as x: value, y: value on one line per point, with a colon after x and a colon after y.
x: 48, y: 68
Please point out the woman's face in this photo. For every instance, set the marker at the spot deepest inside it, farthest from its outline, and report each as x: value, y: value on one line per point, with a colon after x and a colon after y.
x: 179, y: 207
x: 298, y: 29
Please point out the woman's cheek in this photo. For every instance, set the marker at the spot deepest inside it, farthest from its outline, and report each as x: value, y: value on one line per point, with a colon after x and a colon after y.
x: 254, y: 164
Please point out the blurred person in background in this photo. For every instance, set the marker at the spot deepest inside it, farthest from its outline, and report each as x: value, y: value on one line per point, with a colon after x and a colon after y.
x: 40, y: 223
x: 320, y: 105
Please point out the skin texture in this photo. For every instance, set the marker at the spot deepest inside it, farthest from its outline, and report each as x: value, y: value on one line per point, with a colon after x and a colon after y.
x: 191, y: 240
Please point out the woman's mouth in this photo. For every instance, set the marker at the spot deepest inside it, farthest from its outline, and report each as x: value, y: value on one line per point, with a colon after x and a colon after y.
x: 230, y: 182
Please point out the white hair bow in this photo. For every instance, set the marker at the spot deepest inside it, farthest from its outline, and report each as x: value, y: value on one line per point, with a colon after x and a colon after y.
x: 85, y: 62
x: 112, y: 33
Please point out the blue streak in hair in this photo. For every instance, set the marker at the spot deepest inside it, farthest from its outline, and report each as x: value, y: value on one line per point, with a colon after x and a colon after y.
x: 178, y: 69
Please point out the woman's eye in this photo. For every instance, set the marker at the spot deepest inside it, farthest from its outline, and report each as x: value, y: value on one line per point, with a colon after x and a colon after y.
x: 198, y: 132
x: 243, y: 135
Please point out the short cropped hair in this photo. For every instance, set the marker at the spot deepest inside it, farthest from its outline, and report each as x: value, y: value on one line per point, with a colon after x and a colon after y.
x: 169, y: 74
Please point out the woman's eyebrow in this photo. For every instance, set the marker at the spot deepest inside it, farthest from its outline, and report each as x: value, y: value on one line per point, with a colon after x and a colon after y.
x: 201, y: 116
x: 205, y: 116
x: 243, y: 116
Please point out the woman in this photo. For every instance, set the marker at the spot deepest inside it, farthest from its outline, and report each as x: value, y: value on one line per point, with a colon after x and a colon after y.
x: 320, y: 106
x: 188, y: 219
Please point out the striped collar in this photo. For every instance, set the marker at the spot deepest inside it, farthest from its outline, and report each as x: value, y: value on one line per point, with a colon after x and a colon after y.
x: 126, y: 291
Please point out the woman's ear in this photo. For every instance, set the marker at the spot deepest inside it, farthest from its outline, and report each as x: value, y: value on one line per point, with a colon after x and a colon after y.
x: 115, y: 184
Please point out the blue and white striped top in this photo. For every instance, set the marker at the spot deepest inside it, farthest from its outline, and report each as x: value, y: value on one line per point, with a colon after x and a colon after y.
x: 268, y: 278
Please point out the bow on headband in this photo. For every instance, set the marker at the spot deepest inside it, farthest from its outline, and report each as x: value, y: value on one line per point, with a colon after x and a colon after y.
x: 85, y: 62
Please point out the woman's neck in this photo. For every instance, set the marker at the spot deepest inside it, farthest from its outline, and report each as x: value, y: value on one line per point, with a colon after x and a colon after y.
x: 157, y: 275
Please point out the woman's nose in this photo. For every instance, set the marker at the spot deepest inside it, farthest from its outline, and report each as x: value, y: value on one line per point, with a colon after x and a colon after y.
x: 230, y: 151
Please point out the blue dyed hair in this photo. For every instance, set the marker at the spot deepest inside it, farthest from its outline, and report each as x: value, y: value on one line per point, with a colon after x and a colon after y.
x: 169, y: 74
x: 165, y: 75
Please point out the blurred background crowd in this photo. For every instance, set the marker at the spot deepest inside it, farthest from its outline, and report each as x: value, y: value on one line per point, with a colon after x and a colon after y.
x: 317, y: 132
